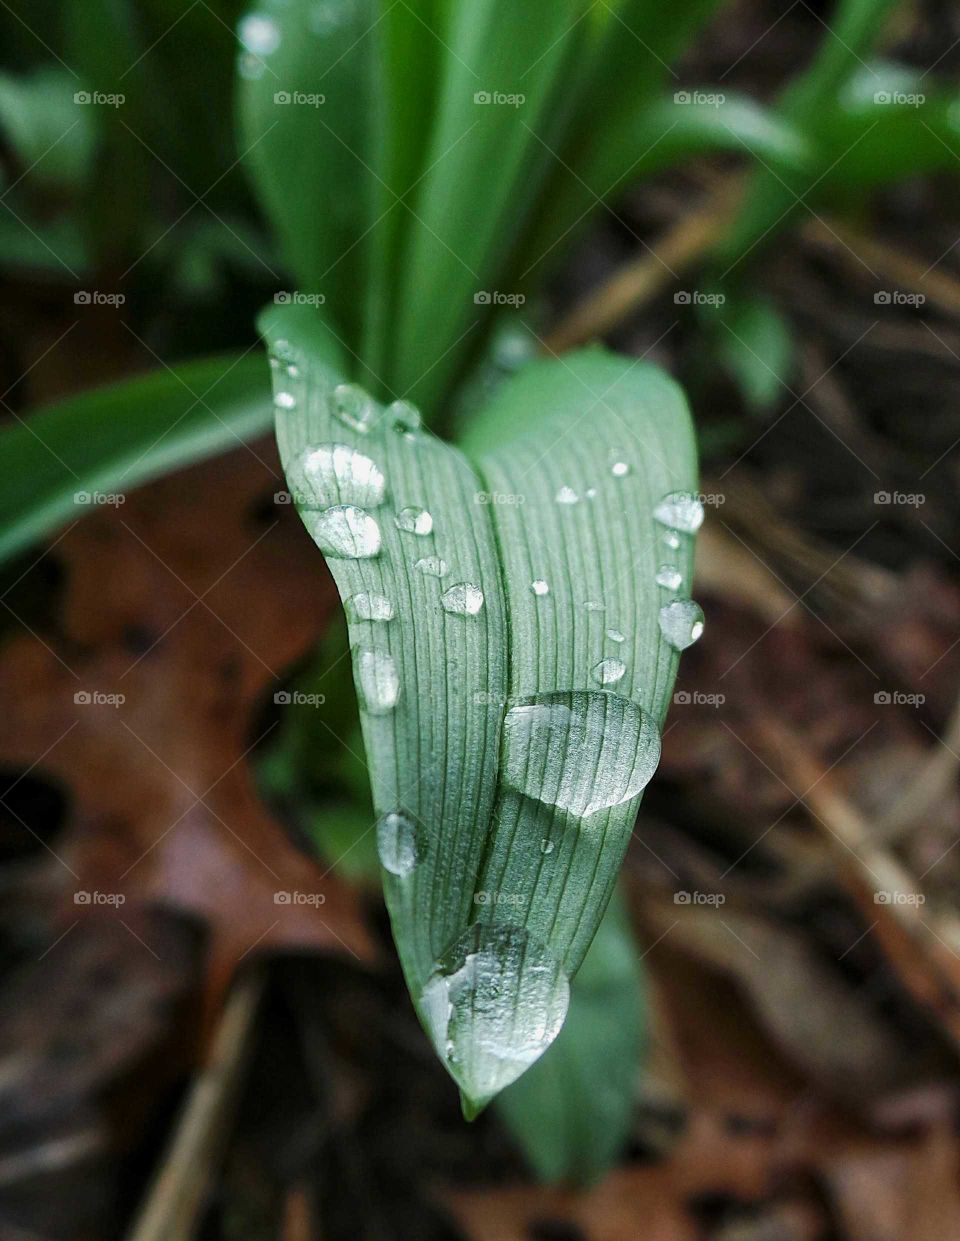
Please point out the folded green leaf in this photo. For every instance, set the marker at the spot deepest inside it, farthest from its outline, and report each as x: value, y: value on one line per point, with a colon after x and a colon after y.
x: 571, y: 1111
x: 515, y: 622
x: 118, y: 437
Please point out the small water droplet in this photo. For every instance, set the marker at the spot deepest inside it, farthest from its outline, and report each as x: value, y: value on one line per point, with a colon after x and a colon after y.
x: 594, y: 605
x: 619, y: 469
x: 378, y: 684
x: 251, y: 68
x: 615, y: 635
x: 337, y: 474
x: 431, y: 566
x: 582, y: 751
x: 404, y: 417
x: 284, y: 399
x: 540, y: 587
x: 567, y: 495
x: 399, y: 843
x: 671, y: 539
x: 414, y: 521
x: 670, y: 576
x: 608, y: 671
x: 547, y: 846
x: 344, y: 532
x: 681, y: 623
x: 464, y: 599
x: 494, y: 1004
x: 591, y: 493
x: 680, y: 510
x: 354, y: 407
x: 259, y: 34
x: 371, y: 607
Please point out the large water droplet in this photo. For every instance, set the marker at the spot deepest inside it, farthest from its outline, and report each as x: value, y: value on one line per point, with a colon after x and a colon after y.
x: 495, y: 1003
x: 680, y: 510
x: 540, y: 587
x: 567, y: 495
x: 681, y: 623
x: 608, y: 671
x: 378, y: 684
x: 619, y: 469
x: 354, y: 407
x: 670, y: 576
x: 464, y: 599
x: 404, y: 417
x: 337, y: 474
x: 414, y: 521
x: 582, y: 751
x: 399, y: 843
x: 259, y: 34
x: 431, y: 566
x: 370, y: 607
x: 284, y: 399
x: 344, y: 531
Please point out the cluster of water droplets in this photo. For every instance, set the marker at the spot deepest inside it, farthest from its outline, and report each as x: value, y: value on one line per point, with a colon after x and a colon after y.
x: 681, y: 620
x: 259, y: 37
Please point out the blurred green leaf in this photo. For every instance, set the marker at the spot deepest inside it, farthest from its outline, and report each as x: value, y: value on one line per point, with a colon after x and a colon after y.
x: 755, y: 344
x: 571, y: 1111
x: 51, y: 135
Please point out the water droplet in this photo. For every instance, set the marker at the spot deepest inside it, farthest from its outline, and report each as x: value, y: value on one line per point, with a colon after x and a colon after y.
x: 371, y: 607
x: 594, y: 605
x: 581, y: 751
x: 495, y: 1003
x: 251, y: 68
x: 615, y: 635
x: 337, y: 474
x: 540, y: 587
x: 463, y: 600
x: 414, y: 521
x: 378, y: 684
x: 608, y: 671
x: 567, y: 495
x: 547, y: 846
x: 354, y: 407
x: 284, y: 399
x: 344, y: 531
x: 619, y: 469
x: 404, y: 417
x: 399, y: 843
x: 591, y: 493
x: 680, y: 510
x: 432, y: 566
x: 259, y: 34
x: 681, y: 623
x: 670, y: 576
x: 671, y: 539
x: 327, y: 15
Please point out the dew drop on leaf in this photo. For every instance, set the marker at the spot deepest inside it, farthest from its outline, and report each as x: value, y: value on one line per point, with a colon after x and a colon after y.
x: 582, y: 751
x: 336, y: 473
x: 671, y: 539
x: 670, y: 576
x: 370, y: 607
x: 608, y: 671
x: 540, y: 587
x: 259, y: 34
x: 615, y: 635
x: 464, y: 599
x: 431, y: 566
x: 344, y: 531
x: 567, y: 495
x: 399, y: 843
x: 378, y: 685
x: 680, y: 510
x: 494, y: 1004
x: 354, y: 407
x: 547, y: 846
x: 619, y: 469
x: 414, y: 521
x: 404, y: 417
x: 681, y: 623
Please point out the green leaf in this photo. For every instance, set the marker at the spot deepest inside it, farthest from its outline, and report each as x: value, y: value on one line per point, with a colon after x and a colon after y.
x: 51, y: 135
x: 571, y: 1111
x: 115, y: 438
x: 755, y: 344
x: 509, y: 729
